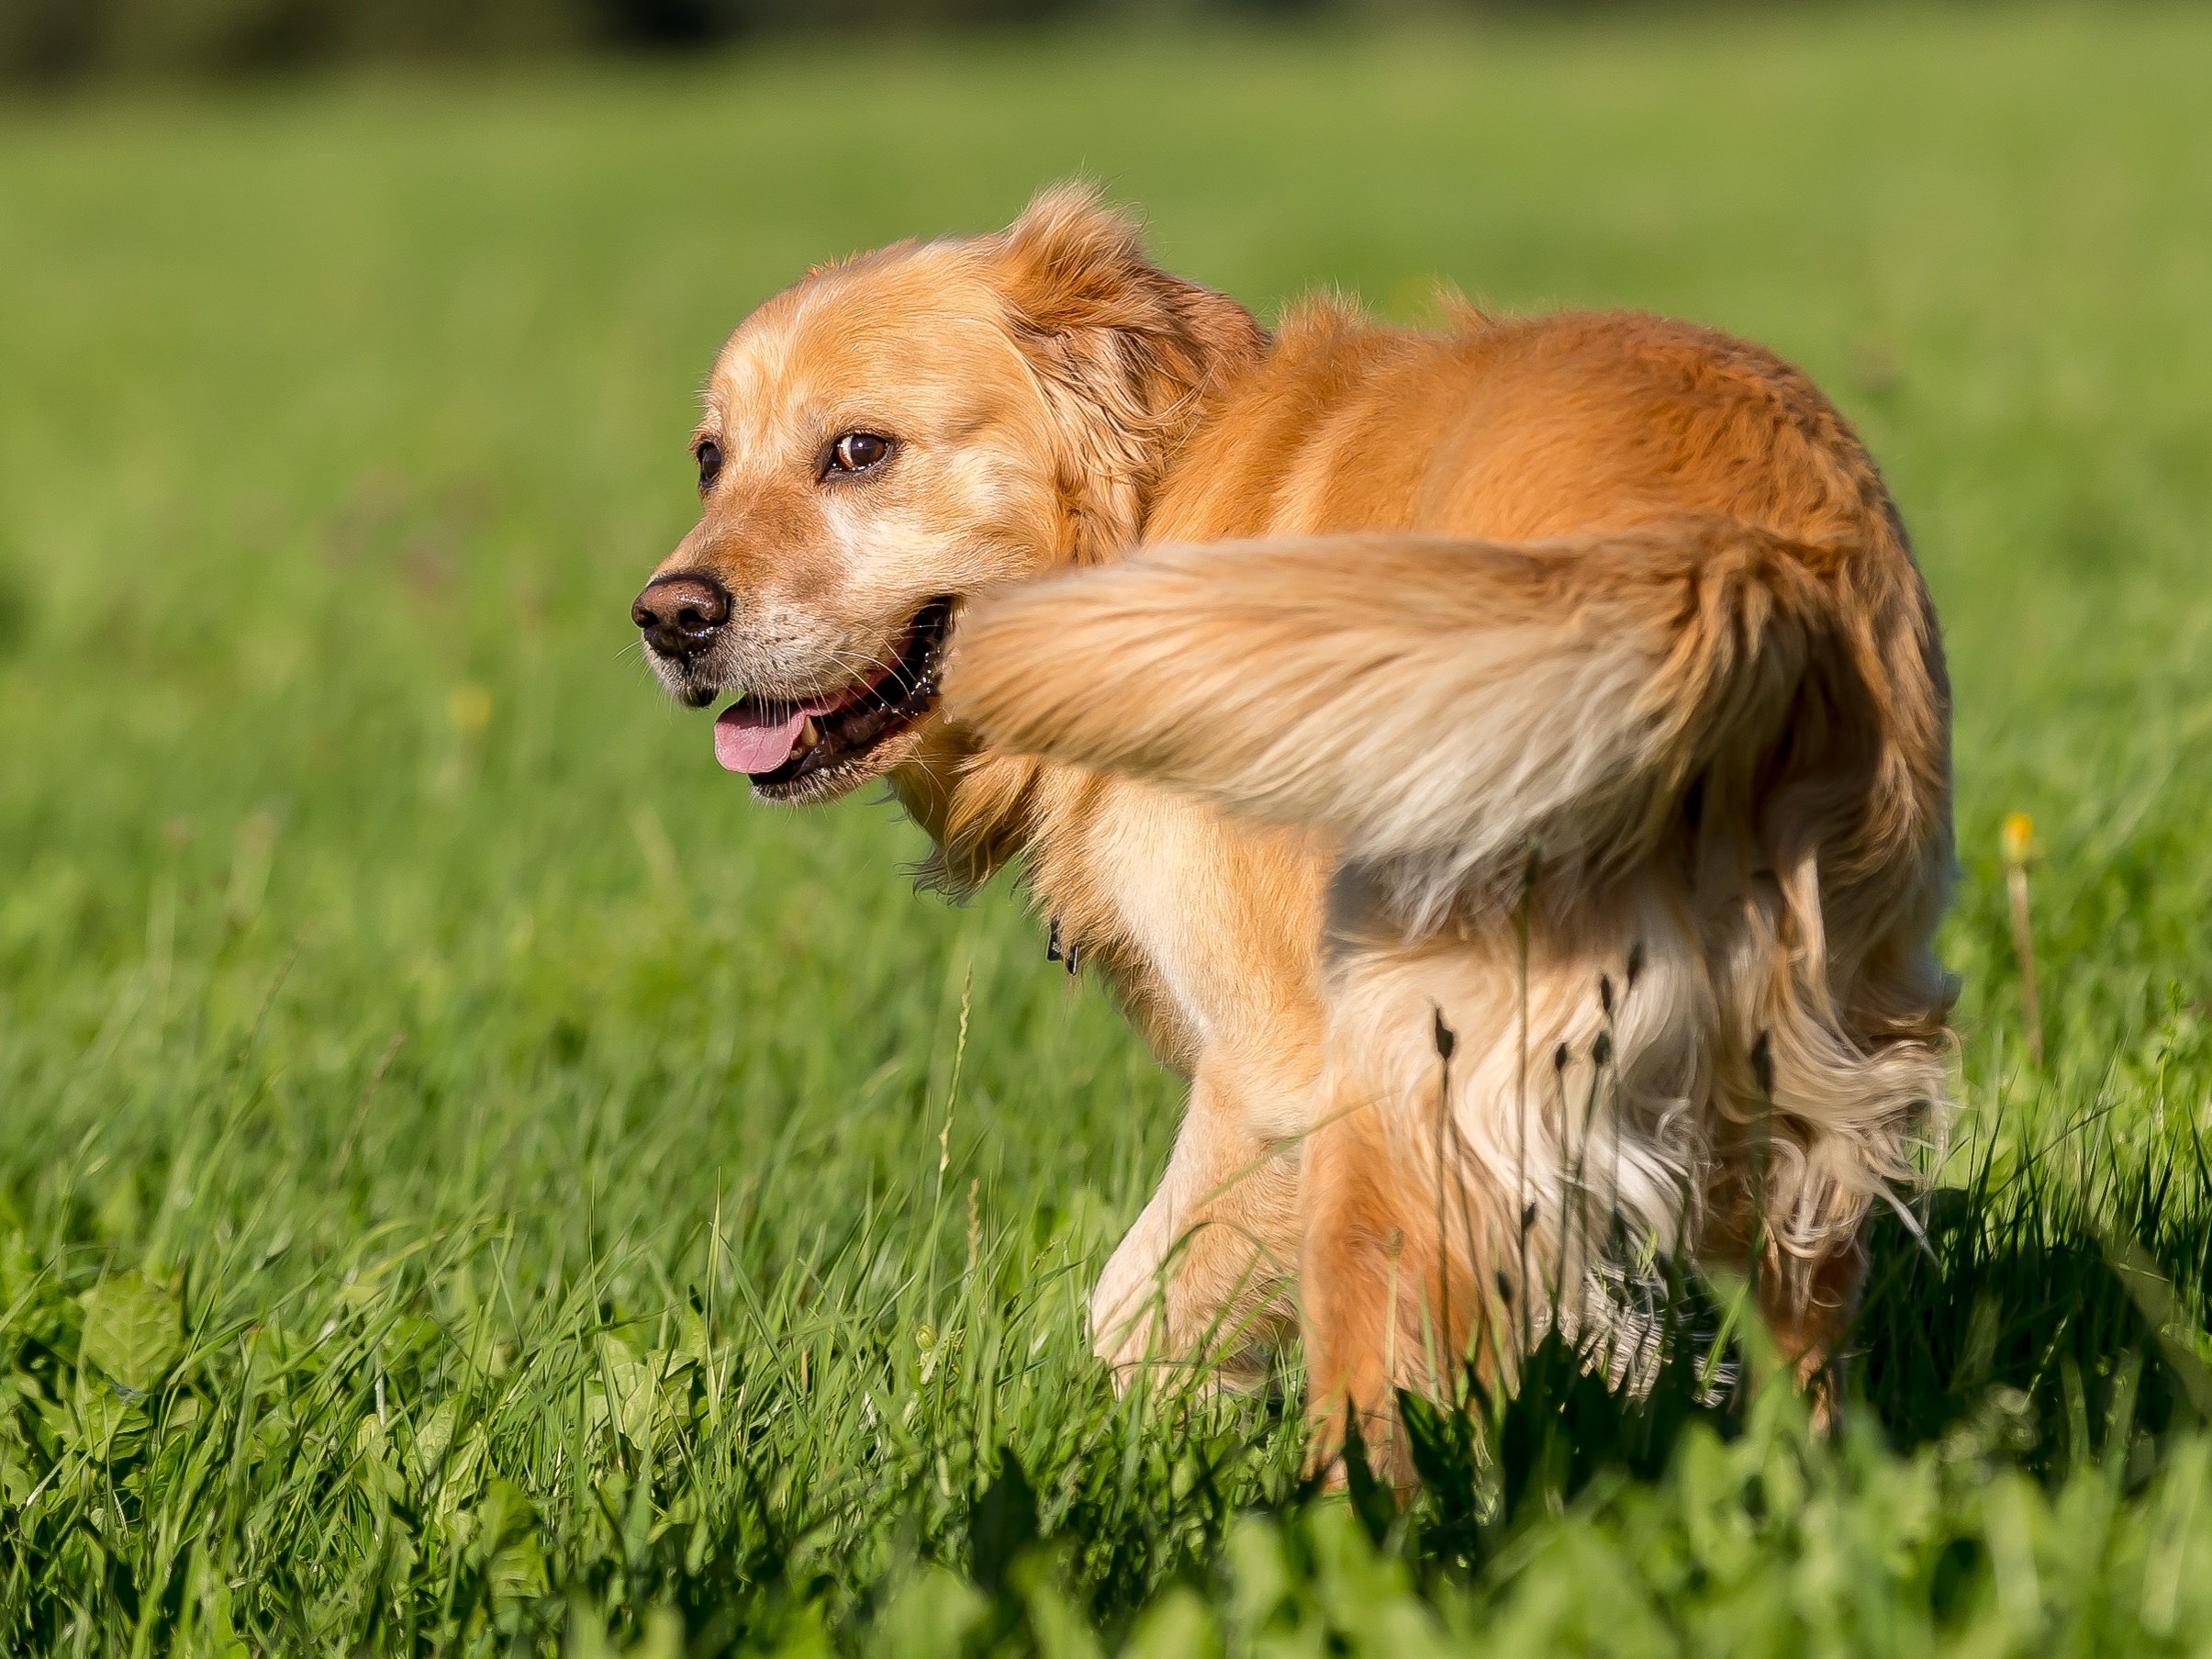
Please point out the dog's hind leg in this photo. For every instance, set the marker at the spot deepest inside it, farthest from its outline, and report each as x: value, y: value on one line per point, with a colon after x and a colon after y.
x: 1353, y: 1276
x: 1392, y: 1288
x: 1810, y: 1319
x: 1807, y: 1305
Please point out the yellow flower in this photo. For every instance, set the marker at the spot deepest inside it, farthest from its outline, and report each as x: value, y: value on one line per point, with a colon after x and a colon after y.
x: 469, y: 708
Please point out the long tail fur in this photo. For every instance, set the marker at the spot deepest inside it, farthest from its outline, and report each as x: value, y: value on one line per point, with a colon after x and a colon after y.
x: 1442, y: 704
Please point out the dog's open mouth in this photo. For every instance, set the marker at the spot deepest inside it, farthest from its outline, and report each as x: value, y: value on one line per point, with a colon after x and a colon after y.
x: 790, y: 747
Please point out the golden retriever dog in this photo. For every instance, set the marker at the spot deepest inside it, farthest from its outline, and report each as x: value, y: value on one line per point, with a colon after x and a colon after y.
x: 1505, y: 767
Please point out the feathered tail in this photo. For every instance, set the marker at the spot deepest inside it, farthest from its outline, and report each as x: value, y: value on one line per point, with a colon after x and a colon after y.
x: 1438, y: 704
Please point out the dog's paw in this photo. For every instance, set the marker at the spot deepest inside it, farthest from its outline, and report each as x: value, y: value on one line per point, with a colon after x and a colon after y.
x: 1128, y: 1327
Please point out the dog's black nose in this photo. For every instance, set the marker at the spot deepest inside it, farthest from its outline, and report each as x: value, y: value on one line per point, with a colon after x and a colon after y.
x: 679, y: 614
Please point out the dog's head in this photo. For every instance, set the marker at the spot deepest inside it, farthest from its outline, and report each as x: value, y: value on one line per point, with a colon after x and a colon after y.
x: 897, y: 434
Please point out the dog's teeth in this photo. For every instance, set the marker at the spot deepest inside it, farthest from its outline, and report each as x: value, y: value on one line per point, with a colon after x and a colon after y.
x: 810, y: 734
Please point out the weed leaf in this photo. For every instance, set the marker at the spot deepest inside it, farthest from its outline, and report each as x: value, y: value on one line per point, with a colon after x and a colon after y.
x: 134, y: 1331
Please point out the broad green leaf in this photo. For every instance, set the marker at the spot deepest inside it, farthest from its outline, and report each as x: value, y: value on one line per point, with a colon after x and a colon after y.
x: 505, y: 1538
x: 134, y: 1331
x: 1177, y: 1626
x: 931, y: 1614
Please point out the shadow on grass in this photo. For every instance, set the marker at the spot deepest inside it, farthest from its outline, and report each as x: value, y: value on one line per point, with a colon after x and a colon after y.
x: 2060, y: 1315
x: 2064, y: 1290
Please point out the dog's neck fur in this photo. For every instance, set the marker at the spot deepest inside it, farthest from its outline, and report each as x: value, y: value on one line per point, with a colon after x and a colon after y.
x: 1131, y: 363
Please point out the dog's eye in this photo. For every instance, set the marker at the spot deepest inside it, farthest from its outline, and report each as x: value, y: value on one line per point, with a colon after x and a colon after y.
x: 857, y: 451
x: 709, y: 455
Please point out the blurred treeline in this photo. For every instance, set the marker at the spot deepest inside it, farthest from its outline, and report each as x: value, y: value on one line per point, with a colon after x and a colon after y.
x: 60, y: 41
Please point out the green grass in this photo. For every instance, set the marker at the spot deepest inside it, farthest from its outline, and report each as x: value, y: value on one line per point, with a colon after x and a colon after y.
x: 469, y: 1180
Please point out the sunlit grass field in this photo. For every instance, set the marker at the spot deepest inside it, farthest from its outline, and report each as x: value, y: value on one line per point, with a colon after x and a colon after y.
x: 471, y: 1181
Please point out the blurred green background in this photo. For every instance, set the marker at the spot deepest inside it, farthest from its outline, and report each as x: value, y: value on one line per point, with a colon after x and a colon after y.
x: 401, y: 1015
x: 58, y: 42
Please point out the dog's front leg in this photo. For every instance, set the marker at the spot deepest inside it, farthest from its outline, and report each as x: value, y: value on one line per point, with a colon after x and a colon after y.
x: 1206, y: 1271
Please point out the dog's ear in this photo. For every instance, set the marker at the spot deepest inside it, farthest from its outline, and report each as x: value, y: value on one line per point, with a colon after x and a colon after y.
x: 1125, y: 353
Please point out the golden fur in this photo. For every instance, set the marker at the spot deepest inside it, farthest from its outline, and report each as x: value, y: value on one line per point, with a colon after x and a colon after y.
x: 1565, y: 683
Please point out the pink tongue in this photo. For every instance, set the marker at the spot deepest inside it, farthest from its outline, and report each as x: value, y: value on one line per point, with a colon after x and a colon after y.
x: 757, y: 737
